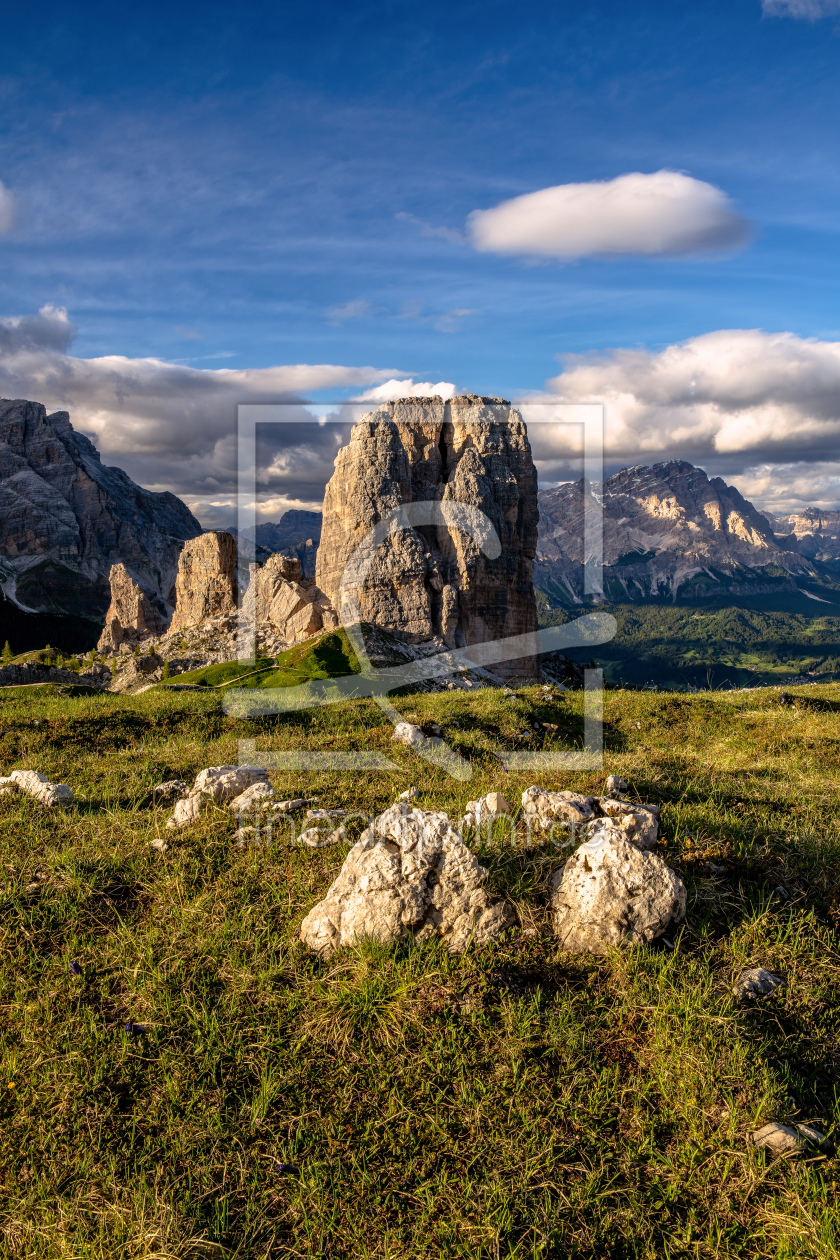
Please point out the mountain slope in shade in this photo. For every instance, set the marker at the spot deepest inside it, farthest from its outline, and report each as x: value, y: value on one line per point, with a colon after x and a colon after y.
x: 65, y: 519
x: 668, y: 531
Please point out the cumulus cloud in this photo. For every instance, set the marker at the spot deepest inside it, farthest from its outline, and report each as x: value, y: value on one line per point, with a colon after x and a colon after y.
x: 666, y: 213
x: 169, y: 425
x: 408, y: 389
x: 7, y: 210
x: 810, y: 10
x: 732, y: 401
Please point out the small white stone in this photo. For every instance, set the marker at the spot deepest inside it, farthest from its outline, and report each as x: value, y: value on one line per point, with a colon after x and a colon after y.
x: 408, y: 733
x: 409, y: 795
x: 777, y: 1138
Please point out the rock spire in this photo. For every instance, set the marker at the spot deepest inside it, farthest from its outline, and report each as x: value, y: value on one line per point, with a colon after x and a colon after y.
x: 432, y: 580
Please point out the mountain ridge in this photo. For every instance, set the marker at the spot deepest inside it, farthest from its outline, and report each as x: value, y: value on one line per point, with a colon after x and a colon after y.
x: 66, y: 518
x: 669, y: 531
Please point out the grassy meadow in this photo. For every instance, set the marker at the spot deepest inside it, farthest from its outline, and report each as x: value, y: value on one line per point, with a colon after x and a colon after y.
x: 390, y: 1104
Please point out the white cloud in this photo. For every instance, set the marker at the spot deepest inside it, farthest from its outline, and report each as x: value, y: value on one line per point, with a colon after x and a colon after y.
x: 170, y: 425
x: 810, y: 10
x: 732, y: 401
x: 666, y: 213
x: 407, y: 389
x: 7, y: 210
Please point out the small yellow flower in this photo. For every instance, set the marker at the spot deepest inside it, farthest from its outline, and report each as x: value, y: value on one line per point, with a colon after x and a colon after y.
x: 11, y: 1084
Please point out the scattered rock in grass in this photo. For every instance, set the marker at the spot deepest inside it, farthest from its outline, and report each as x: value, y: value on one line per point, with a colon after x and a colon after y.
x: 319, y: 837
x: 611, y: 894
x: 616, y: 785
x: 809, y: 1134
x: 410, y: 872
x: 485, y: 810
x: 638, y: 824
x: 408, y: 733
x: 223, y: 783
x: 777, y: 1138
x: 218, y: 784
x: 434, y: 729
x: 187, y: 810
x: 410, y: 794
x: 8, y: 787
x: 755, y: 982
x: 319, y: 815
x: 289, y: 807
x: 38, y: 785
x: 253, y: 797
x: 241, y: 836
x: 171, y: 788
x: 547, y: 807
x: 158, y: 844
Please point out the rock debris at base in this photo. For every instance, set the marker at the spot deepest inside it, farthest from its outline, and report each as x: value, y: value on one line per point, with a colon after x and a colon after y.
x: 410, y: 872
x: 486, y: 810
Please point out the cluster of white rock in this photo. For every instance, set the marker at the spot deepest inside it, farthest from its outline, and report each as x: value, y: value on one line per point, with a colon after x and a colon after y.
x: 33, y: 783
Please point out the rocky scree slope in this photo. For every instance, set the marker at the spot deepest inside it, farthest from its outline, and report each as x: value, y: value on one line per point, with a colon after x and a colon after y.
x: 65, y: 519
x: 429, y: 581
x: 668, y: 530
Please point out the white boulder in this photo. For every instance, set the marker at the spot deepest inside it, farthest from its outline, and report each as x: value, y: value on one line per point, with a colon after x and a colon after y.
x: 486, y: 810
x: 218, y: 784
x: 223, y: 783
x: 410, y: 872
x: 408, y: 733
x: 38, y: 785
x: 547, y: 808
x: 638, y: 824
x: 254, y: 797
x: 610, y: 894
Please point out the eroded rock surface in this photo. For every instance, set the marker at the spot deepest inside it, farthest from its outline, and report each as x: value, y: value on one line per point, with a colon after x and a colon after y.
x: 65, y: 519
x: 433, y: 580
x: 206, y: 582
x: 611, y: 894
x: 131, y: 615
x: 410, y: 872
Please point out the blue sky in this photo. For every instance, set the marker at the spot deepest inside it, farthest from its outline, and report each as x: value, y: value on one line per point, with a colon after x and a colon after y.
x: 253, y: 187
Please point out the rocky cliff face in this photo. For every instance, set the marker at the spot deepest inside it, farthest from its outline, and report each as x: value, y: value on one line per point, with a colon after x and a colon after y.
x: 812, y: 533
x: 65, y: 519
x: 131, y: 615
x: 668, y: 530
x: 206, y: 583
x: 433, y: 580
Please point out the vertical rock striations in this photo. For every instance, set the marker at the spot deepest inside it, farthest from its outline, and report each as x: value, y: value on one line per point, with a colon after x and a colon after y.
x: 206, y: 582
x: 434, y: 580
x: 131, y: 616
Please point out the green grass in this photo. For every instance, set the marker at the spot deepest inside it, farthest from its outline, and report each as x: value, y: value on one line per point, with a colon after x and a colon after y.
x: 330, y: 657
x: 514, y: 1102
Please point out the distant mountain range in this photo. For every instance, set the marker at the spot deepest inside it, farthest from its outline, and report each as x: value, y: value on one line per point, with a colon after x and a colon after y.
x: 671, y: 532
x: 297, y: 533
x: 65, y: 519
